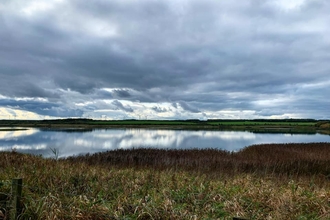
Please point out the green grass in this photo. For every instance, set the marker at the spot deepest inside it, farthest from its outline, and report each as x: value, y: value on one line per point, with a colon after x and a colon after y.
x: 142, y: 122
x: 191, y: 122
x: 259, y: 123
x: 259, y: 182
x: 210, y: 122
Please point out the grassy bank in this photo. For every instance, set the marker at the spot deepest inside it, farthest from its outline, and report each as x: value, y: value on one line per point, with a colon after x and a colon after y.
x: 284, y: 126
x: 266, y: 181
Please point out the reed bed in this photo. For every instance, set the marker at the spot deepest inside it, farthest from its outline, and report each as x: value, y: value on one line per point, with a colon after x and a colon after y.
x: 280, y: 159
x: 277, y: 181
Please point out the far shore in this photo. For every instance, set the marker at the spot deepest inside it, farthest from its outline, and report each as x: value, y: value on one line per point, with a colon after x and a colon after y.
x: 260, y: 125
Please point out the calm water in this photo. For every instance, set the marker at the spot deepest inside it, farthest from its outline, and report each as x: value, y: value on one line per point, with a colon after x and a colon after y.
x: 37, y: 141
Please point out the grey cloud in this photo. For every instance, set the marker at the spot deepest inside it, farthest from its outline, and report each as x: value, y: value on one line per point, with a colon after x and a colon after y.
x: 121, y: 93
x: 159, y: 109
x: 207, y: 56
x: 28, y: 89
x: 122, y: 107
x: 102, y: 94
x: 188, y: 107
x: 63, y: 112
x: 80, y: 84
x: 36, y: 106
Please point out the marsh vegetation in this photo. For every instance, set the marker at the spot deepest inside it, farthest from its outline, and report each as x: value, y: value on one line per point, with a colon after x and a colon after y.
x: 279, y: 181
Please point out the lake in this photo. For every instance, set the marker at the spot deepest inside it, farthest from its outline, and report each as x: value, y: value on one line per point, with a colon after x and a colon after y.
x: 74, y: 142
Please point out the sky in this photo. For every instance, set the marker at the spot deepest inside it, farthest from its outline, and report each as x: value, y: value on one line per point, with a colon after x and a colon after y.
x: 164, y: 59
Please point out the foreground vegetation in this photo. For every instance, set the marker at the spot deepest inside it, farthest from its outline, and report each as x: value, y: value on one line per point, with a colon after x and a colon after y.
x: 289, y: 181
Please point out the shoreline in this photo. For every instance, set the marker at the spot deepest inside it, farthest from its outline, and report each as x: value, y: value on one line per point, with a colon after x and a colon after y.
x: 298, y: 129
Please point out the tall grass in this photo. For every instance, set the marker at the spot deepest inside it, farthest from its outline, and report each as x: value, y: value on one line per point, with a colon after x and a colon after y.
x: 281, y: 159
x: 259, y: 182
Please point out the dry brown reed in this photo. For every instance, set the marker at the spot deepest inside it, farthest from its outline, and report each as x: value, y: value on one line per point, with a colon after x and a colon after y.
x: 281, y: 159
x: 277, y: 181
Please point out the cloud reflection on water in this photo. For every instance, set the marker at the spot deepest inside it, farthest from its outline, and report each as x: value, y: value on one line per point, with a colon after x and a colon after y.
x: 74, y: 143
x: 12, y: 134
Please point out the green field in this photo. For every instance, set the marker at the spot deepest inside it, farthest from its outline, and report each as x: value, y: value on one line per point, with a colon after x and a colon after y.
x: 262, y: 123
x: 215, y: 123
x: 142, y: 122
x: 307, y: 122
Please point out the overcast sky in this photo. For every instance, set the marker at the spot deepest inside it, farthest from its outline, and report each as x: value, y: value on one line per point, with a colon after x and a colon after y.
x: 165, y: 59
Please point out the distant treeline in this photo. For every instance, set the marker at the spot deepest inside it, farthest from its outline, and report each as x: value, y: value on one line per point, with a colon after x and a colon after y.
x: 86, y: 120
x: 311, y: 124
x: 263, y: 120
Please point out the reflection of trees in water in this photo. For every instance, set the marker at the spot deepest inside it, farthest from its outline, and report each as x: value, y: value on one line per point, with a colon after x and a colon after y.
x: 284, y: 131
x: 67, y: 130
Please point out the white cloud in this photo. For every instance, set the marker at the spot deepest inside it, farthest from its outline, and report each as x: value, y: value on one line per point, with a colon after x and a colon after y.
x: 10, y: 113
x: 35, y: 7
x: 288, y: 5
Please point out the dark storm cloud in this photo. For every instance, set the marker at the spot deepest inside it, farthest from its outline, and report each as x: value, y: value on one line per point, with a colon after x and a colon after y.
x: 207, y: 56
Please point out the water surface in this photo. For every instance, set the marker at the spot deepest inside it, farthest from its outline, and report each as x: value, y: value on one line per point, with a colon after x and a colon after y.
x: 73, y: 142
